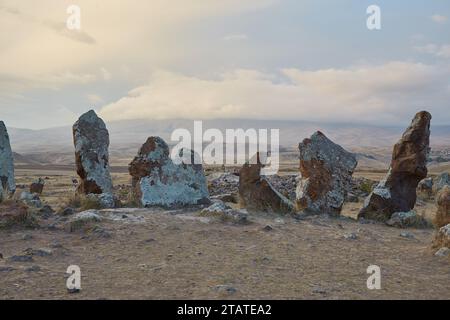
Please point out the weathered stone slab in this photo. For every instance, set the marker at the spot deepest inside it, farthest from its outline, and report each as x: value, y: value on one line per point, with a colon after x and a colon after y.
x: 91, y: 139
x: 158, y: 181
x: 257, y: 194
x: 326, y: 170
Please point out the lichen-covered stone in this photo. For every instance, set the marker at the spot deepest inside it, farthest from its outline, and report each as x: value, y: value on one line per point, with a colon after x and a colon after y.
x: 442, y: 180
x: 7, y: 182
x: 158, y: 181
x: 397, y: 191
x: 326, y: 170
x: 442, y: 238
x: 442, y: 217
x: 425, y: 188
x: 257, y: 194
x: 408, y: 219
x: 91, y: 139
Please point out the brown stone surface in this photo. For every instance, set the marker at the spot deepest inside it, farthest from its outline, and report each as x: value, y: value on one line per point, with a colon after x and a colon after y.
x: 442, y: 217
x: 257, y: 194
x: 37, y: 186
x: 397, y: 191
x: 326, y: 171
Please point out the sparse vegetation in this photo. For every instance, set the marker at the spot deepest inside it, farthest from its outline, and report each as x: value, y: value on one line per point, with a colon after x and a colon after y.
x: 14, y: 213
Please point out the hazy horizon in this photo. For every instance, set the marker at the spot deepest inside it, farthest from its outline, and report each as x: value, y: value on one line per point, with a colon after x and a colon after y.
x: 310, y: 61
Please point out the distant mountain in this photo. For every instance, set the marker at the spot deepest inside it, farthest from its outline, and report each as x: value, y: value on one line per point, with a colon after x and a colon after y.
x: 55, y: 145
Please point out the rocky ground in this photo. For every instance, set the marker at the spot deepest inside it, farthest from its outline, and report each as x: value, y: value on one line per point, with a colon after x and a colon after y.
x: 157, y: 254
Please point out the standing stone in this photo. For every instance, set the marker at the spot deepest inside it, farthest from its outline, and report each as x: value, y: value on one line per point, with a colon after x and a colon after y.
x: 442, y: 217
x: 91, y: 141
x: 37, y: 186
x: 257, y: 194
x: 397, y: 191
x: 326, y: 170
x: 8, y: 184
x: 158, y: 181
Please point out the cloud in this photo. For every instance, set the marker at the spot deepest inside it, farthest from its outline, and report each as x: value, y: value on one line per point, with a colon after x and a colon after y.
x: 441, y: 51
x: 374, y: 94
x: 439, y: 18
x: 234, y: 37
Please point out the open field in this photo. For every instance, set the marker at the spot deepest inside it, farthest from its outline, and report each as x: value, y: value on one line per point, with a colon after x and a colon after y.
x: 155, y: 254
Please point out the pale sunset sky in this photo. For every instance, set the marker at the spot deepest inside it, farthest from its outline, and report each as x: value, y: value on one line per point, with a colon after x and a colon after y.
x: 204, y: 59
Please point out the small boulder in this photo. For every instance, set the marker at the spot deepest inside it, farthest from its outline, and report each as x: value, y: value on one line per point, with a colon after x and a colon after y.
x: 441, y: 181
x: 442, y: 238
x: 407, y: 220
x: 425, y: 188
x: 82, y: 219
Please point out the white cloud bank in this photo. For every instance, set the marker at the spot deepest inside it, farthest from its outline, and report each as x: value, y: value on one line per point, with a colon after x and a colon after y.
x: 439, y: 18
x: 375, y: 94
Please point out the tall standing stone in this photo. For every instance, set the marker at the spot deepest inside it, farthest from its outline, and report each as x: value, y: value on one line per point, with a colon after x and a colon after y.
x: 91, y: 140
x: 397, y: 191
x: 158, y: 181
x: 7, y: 182
x: 326, y: 170
x: 257, y: 194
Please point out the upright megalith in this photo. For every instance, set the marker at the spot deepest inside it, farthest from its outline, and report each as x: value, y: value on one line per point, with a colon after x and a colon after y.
x: 8, y: 184
x: 397, y: 191
x: 257, y: 194
x: 326, y: 175
x: 159, y: 181
x: 91, y: 140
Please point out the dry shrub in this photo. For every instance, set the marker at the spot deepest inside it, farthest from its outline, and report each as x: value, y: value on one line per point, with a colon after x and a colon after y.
x: 15, y: 213
x: 82, y: 202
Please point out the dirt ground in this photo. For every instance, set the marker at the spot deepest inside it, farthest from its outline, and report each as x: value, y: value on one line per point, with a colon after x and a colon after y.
x: 156, y: 254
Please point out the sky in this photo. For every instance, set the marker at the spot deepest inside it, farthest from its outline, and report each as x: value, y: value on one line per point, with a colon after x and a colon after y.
x: 312, y: 60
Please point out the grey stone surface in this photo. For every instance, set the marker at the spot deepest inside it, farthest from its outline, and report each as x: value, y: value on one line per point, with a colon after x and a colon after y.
x: 7, y: 182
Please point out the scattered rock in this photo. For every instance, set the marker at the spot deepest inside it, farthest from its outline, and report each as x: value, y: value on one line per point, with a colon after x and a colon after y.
x: 31, y: 199
x: 37, y: 186
x: 46, y: 211
x: 91, y: 140
x: 442, y: 238
x: 425, y: 188
x: 397, y: 191
x: 407, y: 220
x: 33, y: 269
x: 226, y: 289
x: 257, y: 194
x: 6, y: 269
x: 223, y: 183
x: 7, y: 182
x: 442, y: 217
x: 326, y: 170
x: 21, y: 258
x: 350, y: 236
x: 268, y: 228
x: 443, y: 252
x: 27, y: 236
x: 43, y: 252
x: 67, y: 212
x: 227, y: 197
x: 82, y: 219
x: 158, y: 181
x: 225, y: 213
x: 351, y: 197
x: 442, y: 180
x: 407, y: 235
